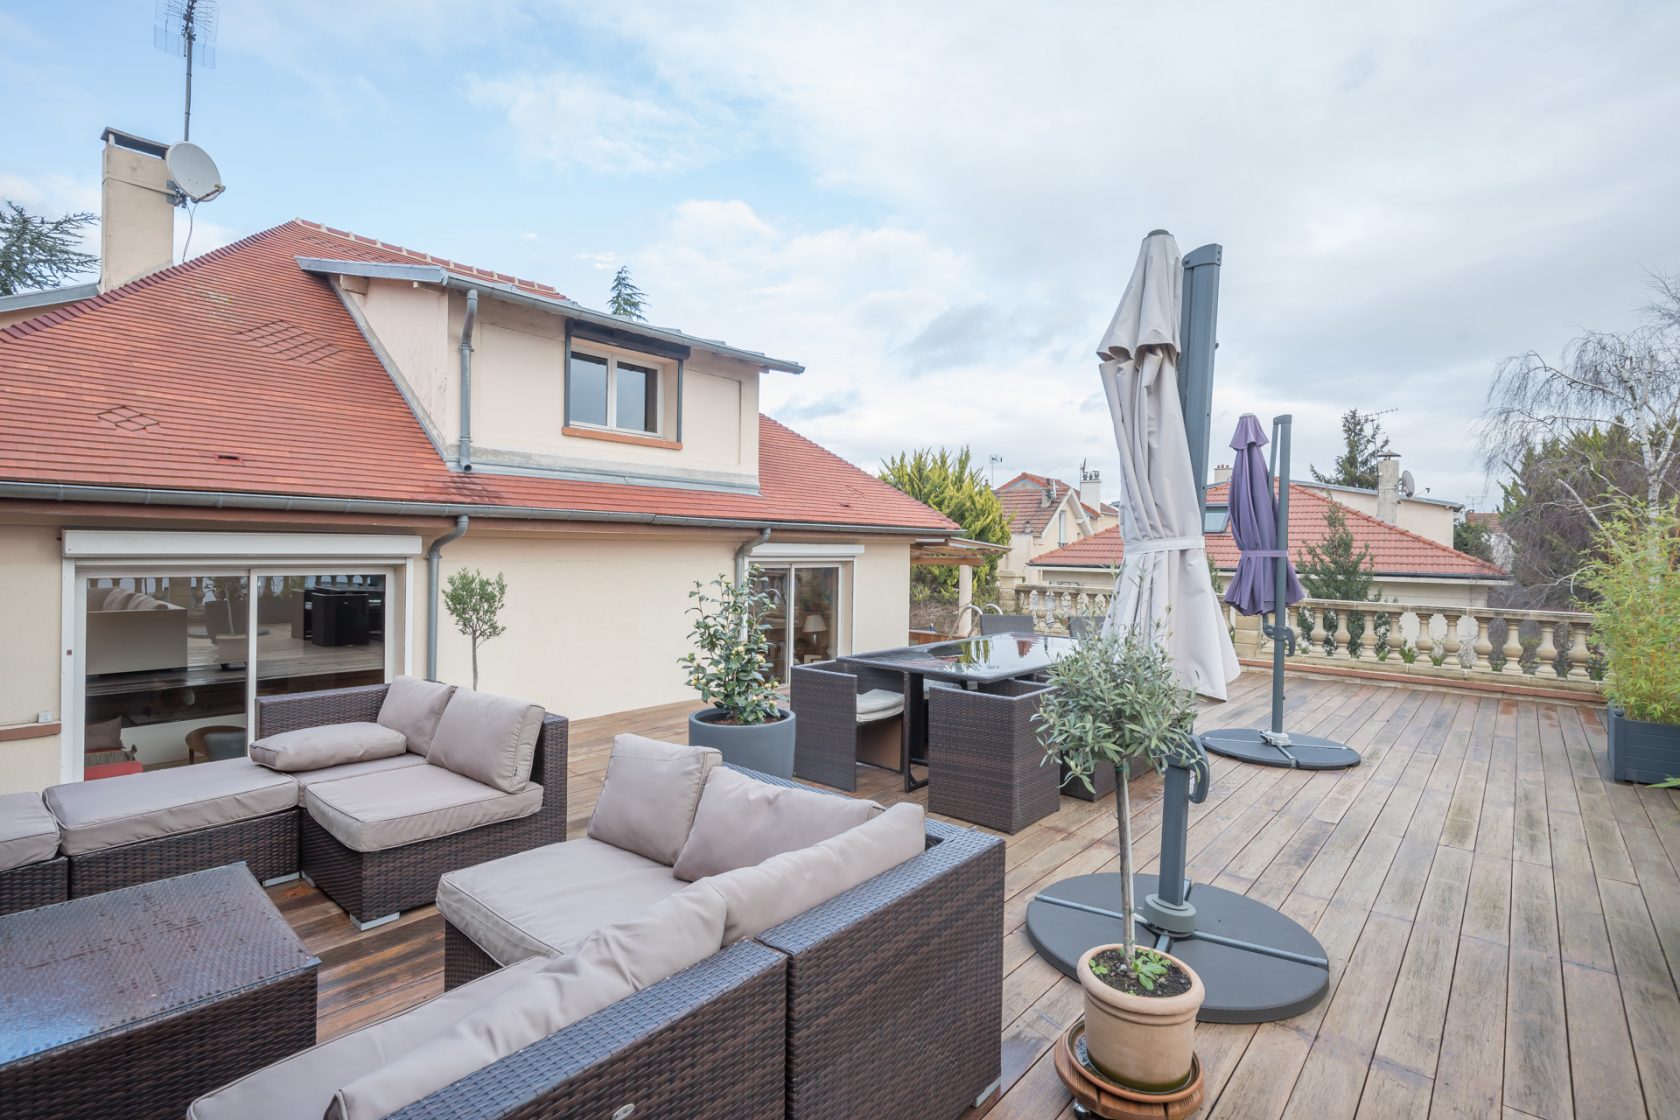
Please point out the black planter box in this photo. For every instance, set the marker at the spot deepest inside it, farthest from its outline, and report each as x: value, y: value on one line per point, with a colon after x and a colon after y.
x: 1641, y: 751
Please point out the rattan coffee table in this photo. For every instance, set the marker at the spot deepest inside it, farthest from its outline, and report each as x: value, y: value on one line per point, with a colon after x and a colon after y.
x: 134, y: 1002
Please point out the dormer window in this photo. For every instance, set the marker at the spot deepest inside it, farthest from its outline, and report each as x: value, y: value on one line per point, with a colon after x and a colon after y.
x: 617, y: 394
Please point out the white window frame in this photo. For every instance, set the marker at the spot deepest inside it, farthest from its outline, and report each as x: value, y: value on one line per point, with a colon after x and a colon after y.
x: 612, y: 356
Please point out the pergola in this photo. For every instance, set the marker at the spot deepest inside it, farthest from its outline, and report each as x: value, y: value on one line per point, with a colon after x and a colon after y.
x: 963, y: 554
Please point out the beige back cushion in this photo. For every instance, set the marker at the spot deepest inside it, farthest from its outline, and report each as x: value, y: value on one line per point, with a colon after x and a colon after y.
x: 613, y: 962
x: 647, y: 802
x: 414, y: 706
x: 787, y: 885
x: 742, y: 821
x: 491, y: 739
x: 331, y: 744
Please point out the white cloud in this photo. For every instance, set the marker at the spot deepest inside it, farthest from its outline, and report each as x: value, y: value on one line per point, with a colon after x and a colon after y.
x: 573, y: 120
x: 1404, y: 198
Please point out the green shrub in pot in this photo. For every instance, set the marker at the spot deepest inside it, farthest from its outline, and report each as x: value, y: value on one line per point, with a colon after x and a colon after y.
x: 1635, y: 580
x: 730, y: 668
x: 1117, y: 702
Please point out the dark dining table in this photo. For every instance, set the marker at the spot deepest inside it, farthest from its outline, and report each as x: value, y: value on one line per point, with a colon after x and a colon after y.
x: 964, y: 662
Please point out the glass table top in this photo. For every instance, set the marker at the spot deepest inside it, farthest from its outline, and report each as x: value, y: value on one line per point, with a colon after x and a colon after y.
x: 993, y: 657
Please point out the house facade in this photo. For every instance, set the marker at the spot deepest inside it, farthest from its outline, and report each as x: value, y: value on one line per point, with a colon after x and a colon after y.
x: 250, y: 473
x: 1406, y: 566
x: 1046, y: 514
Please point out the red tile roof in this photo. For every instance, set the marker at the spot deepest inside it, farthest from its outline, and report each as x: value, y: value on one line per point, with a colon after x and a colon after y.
x: 237, y: 371
x: 1023, y: 502
x: 1394, y: 551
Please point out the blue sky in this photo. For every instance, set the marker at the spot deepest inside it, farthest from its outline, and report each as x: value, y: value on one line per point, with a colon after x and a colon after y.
x: 935, y: 206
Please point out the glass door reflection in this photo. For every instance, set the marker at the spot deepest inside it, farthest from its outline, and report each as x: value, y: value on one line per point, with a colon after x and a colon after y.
x: 319, y: 631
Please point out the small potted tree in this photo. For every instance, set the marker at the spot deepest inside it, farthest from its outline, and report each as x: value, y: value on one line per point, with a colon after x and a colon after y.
x: 1117, y: 703
x: 730, y: 668
x: 1636, y: 581
x: 475, y: 602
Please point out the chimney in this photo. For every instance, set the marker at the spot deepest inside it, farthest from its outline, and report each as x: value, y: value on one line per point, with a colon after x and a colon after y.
x: 1090, y: 488
x: 1221, y: 473
x: 137, y: 209
x: 1388, y: 487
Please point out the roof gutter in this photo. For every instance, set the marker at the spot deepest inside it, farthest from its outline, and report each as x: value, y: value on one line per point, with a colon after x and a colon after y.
x: 376, y: 507
x: 432, y: 556
x: 745, y: 550
x: 463, y: 452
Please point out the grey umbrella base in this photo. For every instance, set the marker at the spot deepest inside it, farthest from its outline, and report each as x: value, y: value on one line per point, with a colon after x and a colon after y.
x: 1256, y: 964
x: 1267, y: 748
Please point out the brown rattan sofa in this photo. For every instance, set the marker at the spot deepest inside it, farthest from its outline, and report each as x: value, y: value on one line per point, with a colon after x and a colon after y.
x: 373, y: 885
x: 893, y: 989
x: 272, y: 830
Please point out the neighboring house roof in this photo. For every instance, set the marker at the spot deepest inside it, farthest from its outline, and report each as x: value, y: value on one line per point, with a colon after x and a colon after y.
x: 238, y: 372
x: 1490, y: 518
x: 1394, y: 551
x: 1373, y: 493
x: 1028, y: 511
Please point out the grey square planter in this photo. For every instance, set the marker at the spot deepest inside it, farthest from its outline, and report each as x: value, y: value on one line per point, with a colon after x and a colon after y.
x: 1641, y: 751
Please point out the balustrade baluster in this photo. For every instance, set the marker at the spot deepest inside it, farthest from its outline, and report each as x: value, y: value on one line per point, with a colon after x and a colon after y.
x: 1317, y: 636
x: 1579, y: 655
x: 1547, y: 655
x: 1481, y: 646
x: 1513, y: 648
x: 1450, y: 641
x: 1343, y: 638
x: 1425, y: 640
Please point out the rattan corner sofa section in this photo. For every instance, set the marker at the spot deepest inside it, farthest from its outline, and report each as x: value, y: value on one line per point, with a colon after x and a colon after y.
x: 371, y: 886
x: 894, y: 990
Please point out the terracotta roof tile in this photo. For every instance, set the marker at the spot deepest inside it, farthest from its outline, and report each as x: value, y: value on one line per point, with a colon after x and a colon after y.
x: 1394, y: 551
x: 258, y: 381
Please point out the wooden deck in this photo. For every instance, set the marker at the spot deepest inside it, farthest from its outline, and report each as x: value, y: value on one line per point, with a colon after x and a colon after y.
x: 1503, y: 924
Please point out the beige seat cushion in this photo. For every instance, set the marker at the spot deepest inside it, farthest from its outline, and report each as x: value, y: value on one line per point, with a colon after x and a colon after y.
x: 649, y: 795
x: 301, y: 1087
x: 742, y: 821
x: 307, y: 778
x: 613, y: 962
x: 540, y: 902
x: 879, y: 703
x: 28, y: 833
x: 491, y: 739
x: 331, y: 744
x: 134, y: 807
x: 789, y: 884
x: 414, y: 706
x: 392, y: 808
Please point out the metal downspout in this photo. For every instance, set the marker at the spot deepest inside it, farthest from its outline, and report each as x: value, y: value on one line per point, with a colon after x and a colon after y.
x: 463, y: 453
x: 741, y: 554
x: 432, y: 555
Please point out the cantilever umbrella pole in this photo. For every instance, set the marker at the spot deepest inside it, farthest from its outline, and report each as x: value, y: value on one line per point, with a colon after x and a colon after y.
x: 1281, y: 426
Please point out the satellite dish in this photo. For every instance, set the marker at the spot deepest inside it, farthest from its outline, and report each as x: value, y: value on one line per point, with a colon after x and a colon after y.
x: 1408, y: 484
x: 193, y: 172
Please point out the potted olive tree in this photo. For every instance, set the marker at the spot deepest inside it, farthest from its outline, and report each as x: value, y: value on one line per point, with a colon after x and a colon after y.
x: 1117, y: 702
x: 730, y: 667
x: 1636, y: 580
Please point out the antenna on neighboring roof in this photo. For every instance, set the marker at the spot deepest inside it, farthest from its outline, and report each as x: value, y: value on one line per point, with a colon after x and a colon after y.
x: 996, y: 459
x: 187, y: 28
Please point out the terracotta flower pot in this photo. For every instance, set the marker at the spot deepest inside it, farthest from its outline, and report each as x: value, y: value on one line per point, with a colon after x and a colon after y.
x: 1143, y: 1042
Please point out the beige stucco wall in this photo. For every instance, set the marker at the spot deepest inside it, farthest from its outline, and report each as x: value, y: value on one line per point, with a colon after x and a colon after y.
x: 518, y: 406
x: 29, y: 653
x: 597, y: 620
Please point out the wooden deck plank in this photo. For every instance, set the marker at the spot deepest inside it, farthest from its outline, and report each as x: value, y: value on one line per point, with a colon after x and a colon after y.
x: 1503, y: 923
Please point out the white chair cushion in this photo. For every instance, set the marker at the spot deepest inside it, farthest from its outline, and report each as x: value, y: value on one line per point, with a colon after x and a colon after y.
x: 878, y: 703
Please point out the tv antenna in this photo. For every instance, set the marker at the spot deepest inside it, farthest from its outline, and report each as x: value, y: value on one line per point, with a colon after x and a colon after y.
x: 995, y: 460
x: 187, y: 28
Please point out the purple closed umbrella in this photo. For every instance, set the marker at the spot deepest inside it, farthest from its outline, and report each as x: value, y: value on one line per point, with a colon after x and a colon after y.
x: 1254, y: 527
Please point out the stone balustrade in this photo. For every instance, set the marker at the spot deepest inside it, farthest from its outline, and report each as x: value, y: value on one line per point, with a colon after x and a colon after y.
x: 1534, y: 649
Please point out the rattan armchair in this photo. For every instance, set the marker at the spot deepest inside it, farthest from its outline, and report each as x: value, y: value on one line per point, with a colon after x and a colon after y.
x: 985, y: 764
x: 830, y: 738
